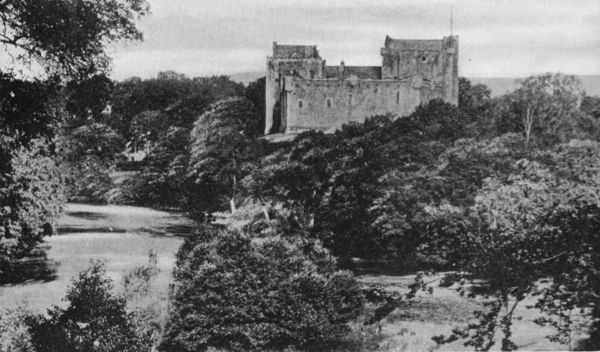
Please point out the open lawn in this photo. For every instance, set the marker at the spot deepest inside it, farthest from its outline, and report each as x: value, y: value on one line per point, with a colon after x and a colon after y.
x: 121, y: 236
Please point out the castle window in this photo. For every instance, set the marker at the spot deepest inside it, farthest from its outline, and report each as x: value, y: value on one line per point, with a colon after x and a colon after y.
x: 397, y: 97
x: 350, y: 99
x: 376, y: 90
x: 328, y: 103
x: 300, y: 104
x: 424, y: 59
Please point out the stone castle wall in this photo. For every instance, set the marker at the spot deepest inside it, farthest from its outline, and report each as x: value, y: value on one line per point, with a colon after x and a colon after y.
x: 303, y: 93
x: 326, y: 105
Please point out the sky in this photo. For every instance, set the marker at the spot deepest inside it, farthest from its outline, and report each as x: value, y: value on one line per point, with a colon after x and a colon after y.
x: 497, y: 38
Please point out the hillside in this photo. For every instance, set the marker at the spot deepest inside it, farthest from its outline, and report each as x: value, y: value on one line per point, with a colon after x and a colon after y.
x: 498, y: 85
x: 501, y: 85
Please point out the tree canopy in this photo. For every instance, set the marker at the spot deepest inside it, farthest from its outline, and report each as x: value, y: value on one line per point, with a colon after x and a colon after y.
x: 68, y: 37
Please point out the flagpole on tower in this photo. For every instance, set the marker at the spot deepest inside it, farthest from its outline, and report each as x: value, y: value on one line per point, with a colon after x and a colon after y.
x: 451, y: 19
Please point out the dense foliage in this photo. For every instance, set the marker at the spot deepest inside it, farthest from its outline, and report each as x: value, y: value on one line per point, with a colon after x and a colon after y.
x: 31, y: 197
x: 159, y: 114
x: 222, y: 141
x: 93, y: 320
x: 68, y: 37
x: 88, y: 154
x: 244, y: 292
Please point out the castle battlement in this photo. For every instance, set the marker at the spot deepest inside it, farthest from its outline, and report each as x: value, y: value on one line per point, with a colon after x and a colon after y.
x: 303, y: 93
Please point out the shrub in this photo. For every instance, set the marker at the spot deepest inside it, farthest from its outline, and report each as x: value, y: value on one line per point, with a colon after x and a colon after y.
x: 147, y: 304
x: 14, y: 333
x: 94, y: 320
x: 31, y: 197
x: 241, y: 293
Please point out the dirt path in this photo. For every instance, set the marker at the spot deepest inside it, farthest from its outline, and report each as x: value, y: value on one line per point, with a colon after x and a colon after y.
x: 122, y: 236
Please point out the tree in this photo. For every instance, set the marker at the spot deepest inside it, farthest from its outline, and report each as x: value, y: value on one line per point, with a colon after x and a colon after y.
x: 591, y: 106
x: 179, y: 101
x: 243, y: 291
x: 541, y: 223
x: 87, y: 156
x: 68, y: 37
x: 255, y: 92
x: 87, y: 99
x: 31, y: 197
x: 27, y: 108
x: 222, y: 141
x: 546, y: 104
x: 473, y: 99
x: 94, y: 320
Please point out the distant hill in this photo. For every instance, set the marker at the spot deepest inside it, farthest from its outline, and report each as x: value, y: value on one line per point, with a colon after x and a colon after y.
x: 246, y: 77
x: 498, y: 85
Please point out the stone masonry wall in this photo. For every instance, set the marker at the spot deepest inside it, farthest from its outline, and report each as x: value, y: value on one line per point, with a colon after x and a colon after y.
x: 328, y: 104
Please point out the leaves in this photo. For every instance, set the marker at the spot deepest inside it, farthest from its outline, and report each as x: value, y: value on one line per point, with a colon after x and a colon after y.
x: 240, y: 292
x: 68, y: 37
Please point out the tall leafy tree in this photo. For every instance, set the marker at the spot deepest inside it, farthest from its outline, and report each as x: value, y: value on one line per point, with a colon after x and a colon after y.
x: 87, y: 99
x: 222, y: 141
x: 546, y: 104
x: 31, y: 197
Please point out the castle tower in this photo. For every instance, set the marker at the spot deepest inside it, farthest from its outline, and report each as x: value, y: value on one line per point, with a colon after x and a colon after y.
x: 287, y: 60
x: 432, y: 61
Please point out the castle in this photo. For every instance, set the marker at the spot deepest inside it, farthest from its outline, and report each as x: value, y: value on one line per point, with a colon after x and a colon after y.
x: 303, y: 93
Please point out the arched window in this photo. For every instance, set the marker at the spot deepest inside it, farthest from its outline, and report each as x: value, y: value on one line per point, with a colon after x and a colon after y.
x: 328, y: 102
x: 300, y: 104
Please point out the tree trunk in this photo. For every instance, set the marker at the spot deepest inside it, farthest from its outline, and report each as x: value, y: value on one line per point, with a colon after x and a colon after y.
x: 528, y: 123
x: 232, y: 200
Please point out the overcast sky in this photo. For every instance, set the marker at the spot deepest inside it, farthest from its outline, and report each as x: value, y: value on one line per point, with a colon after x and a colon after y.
x: 505, y: 38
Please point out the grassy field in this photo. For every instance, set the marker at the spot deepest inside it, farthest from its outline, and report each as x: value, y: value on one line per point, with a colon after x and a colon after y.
x: 122, y: 237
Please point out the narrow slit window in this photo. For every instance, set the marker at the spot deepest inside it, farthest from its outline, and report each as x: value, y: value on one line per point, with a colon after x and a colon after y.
x: 300, y: 104
x: 328, y: 103
x: 397, y: 97
x: 350, y: 99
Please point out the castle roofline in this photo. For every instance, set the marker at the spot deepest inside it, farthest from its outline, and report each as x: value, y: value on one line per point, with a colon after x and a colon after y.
x: 295, y: 51
x: 416, y: 44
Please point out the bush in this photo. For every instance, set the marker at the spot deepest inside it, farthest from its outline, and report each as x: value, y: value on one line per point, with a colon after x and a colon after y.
x: 147, y: 304
x: 14, y: 333
x: 241, y: 293
x: 94, y: 320
x: 31, y: 197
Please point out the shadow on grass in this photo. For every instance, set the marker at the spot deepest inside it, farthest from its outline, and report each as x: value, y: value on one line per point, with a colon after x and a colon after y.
x: 87, y: 215
x: 61, y: 230
x: 170, y: 230
x: 34, y: 268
